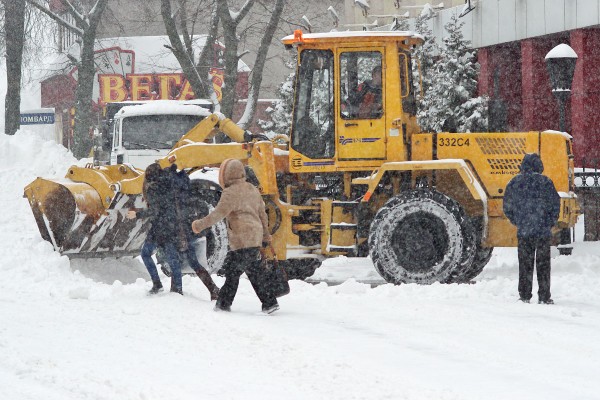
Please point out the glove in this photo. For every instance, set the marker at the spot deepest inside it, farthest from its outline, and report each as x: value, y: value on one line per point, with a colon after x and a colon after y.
x: 266, y: 241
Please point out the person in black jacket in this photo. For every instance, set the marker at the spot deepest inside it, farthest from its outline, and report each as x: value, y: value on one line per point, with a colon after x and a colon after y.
x: 532, y: 204
x: 168, y: 231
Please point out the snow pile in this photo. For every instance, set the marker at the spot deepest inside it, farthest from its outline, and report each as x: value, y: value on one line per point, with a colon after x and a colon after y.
x: 85, y: 329
x: 24, y: 157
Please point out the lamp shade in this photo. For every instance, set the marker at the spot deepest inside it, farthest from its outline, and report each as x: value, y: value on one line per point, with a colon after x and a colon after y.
x: 560, y: 62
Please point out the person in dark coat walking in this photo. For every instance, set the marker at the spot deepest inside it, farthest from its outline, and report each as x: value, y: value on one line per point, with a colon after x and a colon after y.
x: 532, y: 204
x: 244, y: 209
x: 168, y: 231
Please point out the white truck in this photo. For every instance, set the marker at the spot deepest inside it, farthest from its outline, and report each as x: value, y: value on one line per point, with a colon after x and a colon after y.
x: 140, y: 133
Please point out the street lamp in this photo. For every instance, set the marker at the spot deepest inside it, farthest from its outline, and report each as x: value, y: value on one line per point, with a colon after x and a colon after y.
x: 560, y: 62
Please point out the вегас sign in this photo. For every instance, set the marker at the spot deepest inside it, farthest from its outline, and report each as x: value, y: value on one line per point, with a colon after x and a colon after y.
x: 143, y: 87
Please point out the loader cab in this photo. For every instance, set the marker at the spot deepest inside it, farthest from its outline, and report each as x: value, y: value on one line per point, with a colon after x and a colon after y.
x: 354, y: 102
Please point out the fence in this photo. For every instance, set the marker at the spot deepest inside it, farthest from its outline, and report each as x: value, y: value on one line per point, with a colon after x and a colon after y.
x: 587, y: 187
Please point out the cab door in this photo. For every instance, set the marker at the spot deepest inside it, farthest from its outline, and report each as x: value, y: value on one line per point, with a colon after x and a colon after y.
x: 360, y: 119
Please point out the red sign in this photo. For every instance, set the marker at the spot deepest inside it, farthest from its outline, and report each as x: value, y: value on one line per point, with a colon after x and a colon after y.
x: 140, y: 87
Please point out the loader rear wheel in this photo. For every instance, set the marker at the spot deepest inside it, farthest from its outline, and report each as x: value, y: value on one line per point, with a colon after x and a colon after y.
x: 421, y: 236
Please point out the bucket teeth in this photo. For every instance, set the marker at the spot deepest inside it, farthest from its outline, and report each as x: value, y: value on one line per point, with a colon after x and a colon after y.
x: 71, y: 216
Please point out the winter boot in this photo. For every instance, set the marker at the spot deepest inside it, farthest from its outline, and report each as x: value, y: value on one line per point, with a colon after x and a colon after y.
x: 156, y: 287
x: 270, y: 309
x: 209, y: 283
x: 175, y: 289
x: 548, y: 301
x: 222, y: 308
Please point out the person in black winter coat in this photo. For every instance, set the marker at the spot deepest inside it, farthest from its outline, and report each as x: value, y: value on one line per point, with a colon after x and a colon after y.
x: 532, y: 204
x: 168, y: 231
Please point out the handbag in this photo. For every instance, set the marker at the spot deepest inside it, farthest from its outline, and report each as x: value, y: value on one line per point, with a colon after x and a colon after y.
x: 275, y: 278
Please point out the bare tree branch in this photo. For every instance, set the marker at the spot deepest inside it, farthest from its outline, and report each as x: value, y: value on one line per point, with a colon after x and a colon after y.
x: 187, y: 38
x: 79, y: 17
x: 56, y: 18
x: 96, y: 12
x: 261, y: 56
x: 240, y: 15
x: 183, y: 57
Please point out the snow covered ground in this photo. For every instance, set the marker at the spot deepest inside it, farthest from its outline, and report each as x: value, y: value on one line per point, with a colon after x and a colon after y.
x: 86, y: 330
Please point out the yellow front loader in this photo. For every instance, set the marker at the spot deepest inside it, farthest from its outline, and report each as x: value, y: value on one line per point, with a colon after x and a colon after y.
x: 426, y: 207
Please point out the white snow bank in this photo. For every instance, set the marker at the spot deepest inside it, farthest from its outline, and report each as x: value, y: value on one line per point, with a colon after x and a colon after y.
x: 87, y: 330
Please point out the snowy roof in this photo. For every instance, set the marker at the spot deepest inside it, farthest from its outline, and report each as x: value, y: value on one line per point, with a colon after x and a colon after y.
x: 561, y: 51
x: 151, y: 55
x: 355, y: 35
x: 563, y: 134
x: 163, y: 107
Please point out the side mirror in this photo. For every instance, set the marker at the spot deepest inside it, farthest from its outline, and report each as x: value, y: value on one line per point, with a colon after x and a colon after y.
x: 106, y: 138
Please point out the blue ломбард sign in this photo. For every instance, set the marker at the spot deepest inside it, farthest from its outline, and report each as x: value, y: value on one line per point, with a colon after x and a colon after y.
x: 37, y: 119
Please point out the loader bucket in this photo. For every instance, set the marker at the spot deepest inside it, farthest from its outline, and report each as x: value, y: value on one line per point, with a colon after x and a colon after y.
x: 72, y: 217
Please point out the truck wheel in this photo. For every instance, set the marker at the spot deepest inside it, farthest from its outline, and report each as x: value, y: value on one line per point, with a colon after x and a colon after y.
x: 300, y: 268
x: 421, y: 236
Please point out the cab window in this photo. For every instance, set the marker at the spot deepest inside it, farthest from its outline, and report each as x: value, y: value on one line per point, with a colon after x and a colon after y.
x: 313, y: 130
x: 360, y: 89
x: 409, y: 104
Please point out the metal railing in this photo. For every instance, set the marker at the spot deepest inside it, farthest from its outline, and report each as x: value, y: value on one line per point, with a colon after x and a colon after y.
x: 588, y: 176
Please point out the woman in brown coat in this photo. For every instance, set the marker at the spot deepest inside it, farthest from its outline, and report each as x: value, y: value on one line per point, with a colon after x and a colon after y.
x: 244, y: 209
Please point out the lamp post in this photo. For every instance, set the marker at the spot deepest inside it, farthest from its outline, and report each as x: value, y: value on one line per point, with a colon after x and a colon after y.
x: 560, y: 62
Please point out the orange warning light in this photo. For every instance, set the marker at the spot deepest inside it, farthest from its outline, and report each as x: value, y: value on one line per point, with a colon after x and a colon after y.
x: 298, y: 36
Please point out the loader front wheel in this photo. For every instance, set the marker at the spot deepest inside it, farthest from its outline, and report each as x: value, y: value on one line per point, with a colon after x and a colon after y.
x: 421, y: 236
x: 204, y: 197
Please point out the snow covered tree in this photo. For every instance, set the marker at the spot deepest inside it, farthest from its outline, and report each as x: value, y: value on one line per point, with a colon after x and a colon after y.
x: 400, y: 24
x: 424, y: 56
x: 448, y: 104
x: 281, y: 110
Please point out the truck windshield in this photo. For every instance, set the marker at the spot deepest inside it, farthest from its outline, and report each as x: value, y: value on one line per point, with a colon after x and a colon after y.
x: 156, y: 131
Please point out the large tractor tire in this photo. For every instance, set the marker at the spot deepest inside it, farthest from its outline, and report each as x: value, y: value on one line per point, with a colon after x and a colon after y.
x: 421, y: 236
x: 482, y: 255
x: 205, y: 196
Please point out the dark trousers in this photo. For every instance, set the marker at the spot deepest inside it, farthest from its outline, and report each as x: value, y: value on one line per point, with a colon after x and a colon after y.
x: 147, y: 250
x: 534, y: 250
x: 236, y: 263
x: 173, y: 257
